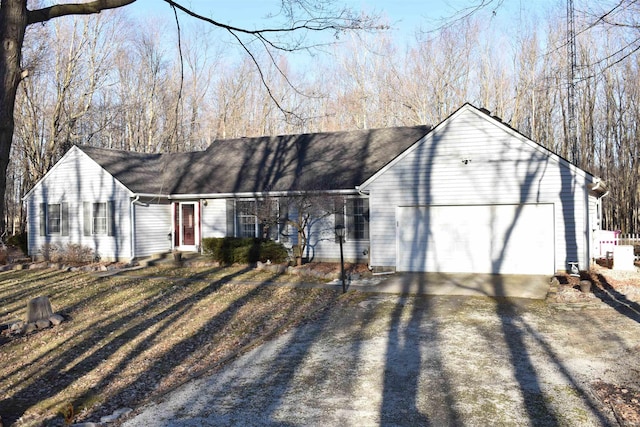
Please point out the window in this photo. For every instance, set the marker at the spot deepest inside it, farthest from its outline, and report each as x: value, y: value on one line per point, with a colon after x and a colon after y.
x: 247, y: 218
x: 254, y: 218
x: 99, y: 218
x: 353, y: 213
x: 54, y: 219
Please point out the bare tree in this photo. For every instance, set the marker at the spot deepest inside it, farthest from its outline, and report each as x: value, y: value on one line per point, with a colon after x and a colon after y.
x: 303, y: 214
x: 15, y: 17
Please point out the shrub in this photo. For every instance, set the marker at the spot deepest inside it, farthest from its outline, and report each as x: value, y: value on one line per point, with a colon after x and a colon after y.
x: 229, y: 250
x: 70, y: 253
x: 273, y: 251
x: 49, y: 251
x: 19, y: 240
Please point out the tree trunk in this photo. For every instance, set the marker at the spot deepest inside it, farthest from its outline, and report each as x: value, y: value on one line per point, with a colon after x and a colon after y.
x: 13, y: 23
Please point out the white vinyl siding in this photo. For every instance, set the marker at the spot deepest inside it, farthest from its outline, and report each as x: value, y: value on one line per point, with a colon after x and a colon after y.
x: 74, y: 180
x: 501, y: 168
x: 153, y: 228
x: 214, y: 218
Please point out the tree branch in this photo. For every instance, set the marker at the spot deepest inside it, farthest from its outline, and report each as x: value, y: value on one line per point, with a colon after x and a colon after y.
x: 96, y: 6
x: 329, y: 23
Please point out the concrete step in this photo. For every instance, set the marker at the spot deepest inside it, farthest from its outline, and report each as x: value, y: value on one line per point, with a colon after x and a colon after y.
x: 164, y: 258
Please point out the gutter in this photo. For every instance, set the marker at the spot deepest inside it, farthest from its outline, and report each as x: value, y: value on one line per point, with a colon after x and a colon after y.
x: 257, y: 194
x: 600, y: 187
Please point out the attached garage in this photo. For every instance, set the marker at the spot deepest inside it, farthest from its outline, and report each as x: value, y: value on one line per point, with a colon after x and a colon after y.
x: 476, y: 196
x: 498, y: 239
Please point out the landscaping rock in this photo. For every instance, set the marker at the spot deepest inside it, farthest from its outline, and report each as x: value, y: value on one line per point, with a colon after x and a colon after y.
x: 17, y: 328
x: 117, y: 414
x: 43, y: 323
x: 56, y: 319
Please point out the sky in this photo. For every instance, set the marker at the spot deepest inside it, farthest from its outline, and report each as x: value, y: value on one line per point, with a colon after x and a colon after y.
x: 408, y: 20
x: 405, y: 16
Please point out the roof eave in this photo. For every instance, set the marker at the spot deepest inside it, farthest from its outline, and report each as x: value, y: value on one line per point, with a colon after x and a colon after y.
x: 253, y: 194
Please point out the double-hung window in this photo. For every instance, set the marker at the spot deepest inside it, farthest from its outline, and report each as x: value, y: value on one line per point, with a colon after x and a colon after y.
x: 99, y: 218
x: 253, y: 218
x: 353, y: 213
x: 357, y: 219
x: 54, y: 219
x: 247, y: 218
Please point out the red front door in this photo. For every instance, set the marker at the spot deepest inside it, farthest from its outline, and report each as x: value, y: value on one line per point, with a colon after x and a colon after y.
x: 188, y: 225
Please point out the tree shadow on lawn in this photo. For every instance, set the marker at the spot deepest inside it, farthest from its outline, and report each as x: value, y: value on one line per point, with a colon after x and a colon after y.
x: 516, y: 330
x: 12, y: 295
x: 314, y: 371
x: 248, y: 393
x: 63, y: 371
x: 617, y: 300
x: 69, y: 310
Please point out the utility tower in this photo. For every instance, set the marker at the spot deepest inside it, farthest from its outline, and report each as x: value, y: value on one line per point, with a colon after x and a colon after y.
x: 572, y: 133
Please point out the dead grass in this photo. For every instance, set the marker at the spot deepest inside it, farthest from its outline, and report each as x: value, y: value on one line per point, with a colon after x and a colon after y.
x: 128, y: 339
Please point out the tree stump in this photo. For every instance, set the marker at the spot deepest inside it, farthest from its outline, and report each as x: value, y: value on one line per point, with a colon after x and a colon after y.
x: 38, y: 309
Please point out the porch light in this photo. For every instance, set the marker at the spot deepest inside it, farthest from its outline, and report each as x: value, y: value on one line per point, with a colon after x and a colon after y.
x: 340, y: 232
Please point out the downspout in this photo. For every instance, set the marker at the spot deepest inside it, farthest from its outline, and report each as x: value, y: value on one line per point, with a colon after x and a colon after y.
x: 200, y: 210
x: 133, y: 226
x: 362, y: 193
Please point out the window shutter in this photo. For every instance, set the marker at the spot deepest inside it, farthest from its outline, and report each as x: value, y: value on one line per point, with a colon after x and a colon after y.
x: 64, y: 219
x: 111, y: 218
x: 283, y: 218
x: 43, y: 219
x: 365, y: 210
x: 86, y: 216
x: 176, y: 224
x: 231, y: 217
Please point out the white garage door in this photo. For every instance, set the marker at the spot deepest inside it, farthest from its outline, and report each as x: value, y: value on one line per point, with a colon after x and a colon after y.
x: 499, y: 239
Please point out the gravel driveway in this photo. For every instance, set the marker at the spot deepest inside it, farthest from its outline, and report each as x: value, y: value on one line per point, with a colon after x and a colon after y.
x: 400, y: 360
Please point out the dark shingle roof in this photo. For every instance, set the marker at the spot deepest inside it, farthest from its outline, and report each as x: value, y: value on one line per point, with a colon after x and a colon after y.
x: 319, y: 161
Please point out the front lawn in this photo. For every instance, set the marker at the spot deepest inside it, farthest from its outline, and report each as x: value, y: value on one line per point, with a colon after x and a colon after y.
x: 129, y: 338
